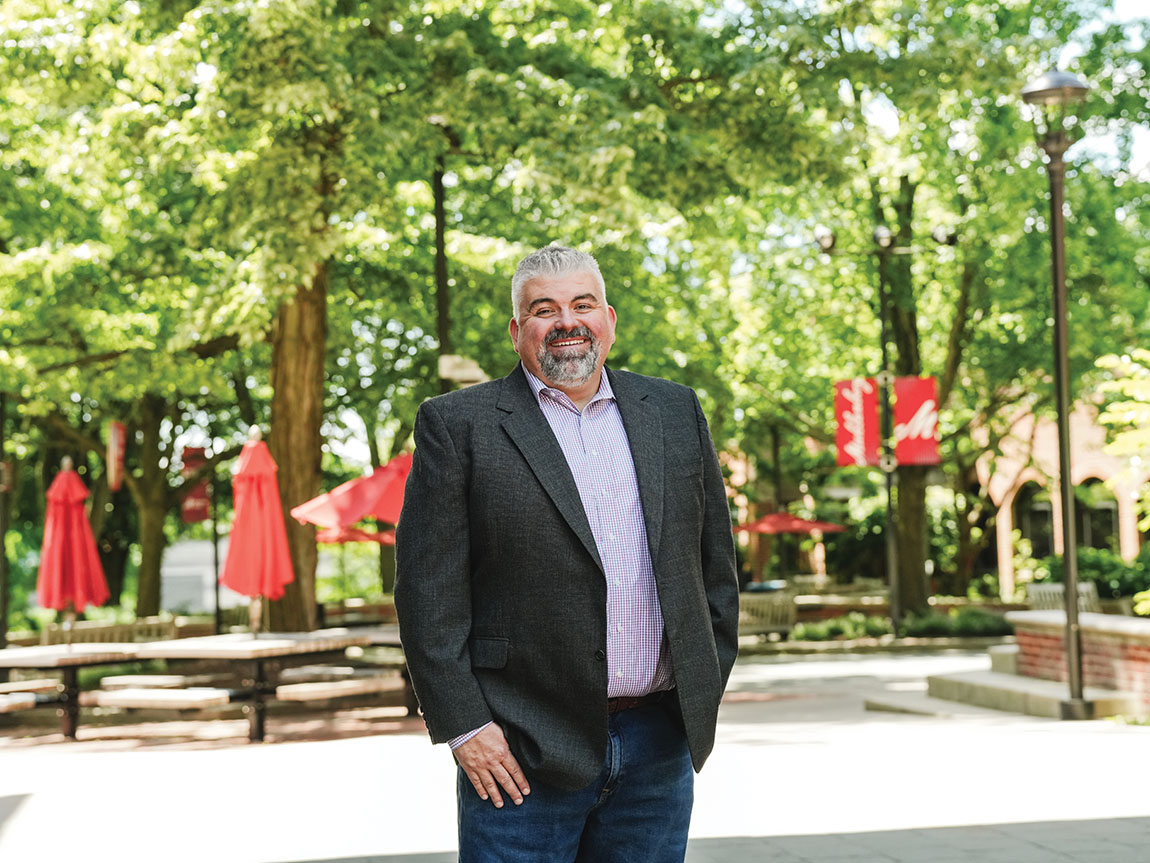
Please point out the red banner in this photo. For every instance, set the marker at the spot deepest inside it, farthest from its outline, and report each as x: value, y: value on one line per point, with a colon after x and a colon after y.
x: 916, y: 420
x: 114, y: 460
x: 856, y: 418
x: 196, y: 505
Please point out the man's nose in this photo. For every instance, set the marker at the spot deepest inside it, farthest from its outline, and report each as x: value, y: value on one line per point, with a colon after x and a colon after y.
x: 566, y: 320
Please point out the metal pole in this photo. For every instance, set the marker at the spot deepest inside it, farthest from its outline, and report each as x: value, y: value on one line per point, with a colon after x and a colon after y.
x: 1055, y: 145
x: 5, y: 480
x: 215, y: 551
x: 887, y: 461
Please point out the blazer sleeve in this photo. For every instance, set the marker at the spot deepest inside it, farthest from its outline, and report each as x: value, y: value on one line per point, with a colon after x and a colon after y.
x: 433, y: 582
x: 720, y: 576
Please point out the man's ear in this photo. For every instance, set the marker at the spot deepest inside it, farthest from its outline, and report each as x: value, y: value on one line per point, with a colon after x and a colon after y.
x: 513, y: 329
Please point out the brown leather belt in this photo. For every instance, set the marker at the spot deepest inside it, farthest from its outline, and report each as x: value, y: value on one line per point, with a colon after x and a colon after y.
x: 628, y: 702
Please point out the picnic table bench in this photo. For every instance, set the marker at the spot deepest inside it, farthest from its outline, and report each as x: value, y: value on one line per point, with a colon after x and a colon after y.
x: 26, y: 694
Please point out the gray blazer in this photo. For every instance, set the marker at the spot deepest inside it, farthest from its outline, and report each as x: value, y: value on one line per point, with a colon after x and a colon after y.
x: 500, y: 591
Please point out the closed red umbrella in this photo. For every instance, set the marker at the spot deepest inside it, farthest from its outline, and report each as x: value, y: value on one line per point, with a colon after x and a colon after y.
x: 784, y: 522
x: 71, y: 576
x: 379, y: 495
x: 258, y: 562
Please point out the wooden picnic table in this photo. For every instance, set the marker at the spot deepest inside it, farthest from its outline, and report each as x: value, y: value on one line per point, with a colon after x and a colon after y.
x: 253, y: 654
x: 68, y: 659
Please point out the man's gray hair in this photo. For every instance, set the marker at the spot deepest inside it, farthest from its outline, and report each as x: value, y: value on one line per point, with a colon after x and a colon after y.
x: 553, y: 261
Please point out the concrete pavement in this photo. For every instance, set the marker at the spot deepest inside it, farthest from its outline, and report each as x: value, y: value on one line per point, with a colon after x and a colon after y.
x: 800, y: 773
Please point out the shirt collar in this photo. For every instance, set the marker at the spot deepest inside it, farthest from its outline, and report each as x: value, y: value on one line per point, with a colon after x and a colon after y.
x: 538, y: 387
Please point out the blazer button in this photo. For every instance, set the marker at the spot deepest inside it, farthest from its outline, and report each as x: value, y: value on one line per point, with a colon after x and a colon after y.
x: 600, y: 655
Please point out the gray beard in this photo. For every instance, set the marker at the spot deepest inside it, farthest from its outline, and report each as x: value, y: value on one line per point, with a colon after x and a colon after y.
x: 571, y: 370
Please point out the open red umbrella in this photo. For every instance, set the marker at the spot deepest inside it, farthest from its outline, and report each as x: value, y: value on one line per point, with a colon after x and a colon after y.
x: 71, y: 576
x: 379, y: 495
x: 784, y: 522
x: 258, y: 562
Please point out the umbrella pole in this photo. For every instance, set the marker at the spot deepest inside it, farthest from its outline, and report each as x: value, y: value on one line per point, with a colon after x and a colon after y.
x: 69, y: 622
x: 255, y: 613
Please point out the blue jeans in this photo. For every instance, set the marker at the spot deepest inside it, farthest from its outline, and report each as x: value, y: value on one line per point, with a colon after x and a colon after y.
x: 636, y: 811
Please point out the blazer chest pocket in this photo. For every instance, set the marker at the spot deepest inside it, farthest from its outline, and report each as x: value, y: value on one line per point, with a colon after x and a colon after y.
x: 489, y: 652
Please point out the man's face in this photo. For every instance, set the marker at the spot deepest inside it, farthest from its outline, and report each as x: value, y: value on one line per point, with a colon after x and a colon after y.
x: 563, y: 329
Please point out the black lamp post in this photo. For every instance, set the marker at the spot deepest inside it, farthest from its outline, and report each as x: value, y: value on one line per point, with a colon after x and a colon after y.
x: 1052, y: 94
x: 884, y: 243
x: 884, y: 247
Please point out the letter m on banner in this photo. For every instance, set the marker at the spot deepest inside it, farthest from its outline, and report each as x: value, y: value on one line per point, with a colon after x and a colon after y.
x: 916, y: 420
x: 856, y: 419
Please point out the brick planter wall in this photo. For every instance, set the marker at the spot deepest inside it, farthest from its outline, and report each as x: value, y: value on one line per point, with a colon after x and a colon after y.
x: 1115, y: 649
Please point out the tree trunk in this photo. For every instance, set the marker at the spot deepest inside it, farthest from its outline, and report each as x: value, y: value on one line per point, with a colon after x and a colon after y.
x: 387, y: 567
x: 6, y: 481
x: 442, y: 288
x: 911, y: 514
x: 150, y: 493
x: 111, y: 525
x: 299, y: 338
x: 152, y: 542
x: 911, y: 485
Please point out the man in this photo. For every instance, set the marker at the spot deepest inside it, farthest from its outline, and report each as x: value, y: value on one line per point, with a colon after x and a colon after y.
x: 566, y: 588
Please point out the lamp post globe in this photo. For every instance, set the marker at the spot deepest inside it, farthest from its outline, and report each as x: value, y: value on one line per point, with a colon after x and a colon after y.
x: 1055, y: 88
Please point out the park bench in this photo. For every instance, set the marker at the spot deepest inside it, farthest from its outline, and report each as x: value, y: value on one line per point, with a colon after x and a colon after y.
x: 1051, y: 596
x: 89, y: 631
x: 766, y: 613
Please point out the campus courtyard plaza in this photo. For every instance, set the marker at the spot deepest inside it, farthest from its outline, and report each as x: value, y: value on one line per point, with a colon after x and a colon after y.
x: 801, y: 772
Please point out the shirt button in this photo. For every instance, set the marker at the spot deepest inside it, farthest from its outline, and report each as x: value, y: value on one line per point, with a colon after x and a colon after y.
x: 619, y: 628
x: 600, y: 655
x: 619, y: 673
x: 618, y: 583
x: 610, y: 536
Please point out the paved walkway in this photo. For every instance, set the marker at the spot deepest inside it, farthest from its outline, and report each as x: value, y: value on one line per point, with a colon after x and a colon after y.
x: 801, y: 773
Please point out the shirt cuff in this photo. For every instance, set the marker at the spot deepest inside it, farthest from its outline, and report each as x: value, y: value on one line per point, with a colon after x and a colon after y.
x: 456, y: 742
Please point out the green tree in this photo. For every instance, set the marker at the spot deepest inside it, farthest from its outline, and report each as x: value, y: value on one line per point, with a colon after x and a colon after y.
x: 924, y: 100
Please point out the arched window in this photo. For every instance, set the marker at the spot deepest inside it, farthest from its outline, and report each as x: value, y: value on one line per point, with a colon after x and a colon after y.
x: 1096, y: 515
x: 1034, y: 518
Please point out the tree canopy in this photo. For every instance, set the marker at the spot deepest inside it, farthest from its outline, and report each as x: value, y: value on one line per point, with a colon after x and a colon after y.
x: 214, y: 217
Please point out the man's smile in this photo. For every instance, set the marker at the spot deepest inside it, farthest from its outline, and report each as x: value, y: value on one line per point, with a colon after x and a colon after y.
x: 562, y: 341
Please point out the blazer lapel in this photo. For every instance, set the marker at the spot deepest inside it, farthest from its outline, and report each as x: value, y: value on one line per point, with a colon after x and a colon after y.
x: 528, y: 429
x: 644, y: 427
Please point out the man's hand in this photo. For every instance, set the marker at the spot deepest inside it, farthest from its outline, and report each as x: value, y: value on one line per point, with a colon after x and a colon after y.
x: 488, y: 763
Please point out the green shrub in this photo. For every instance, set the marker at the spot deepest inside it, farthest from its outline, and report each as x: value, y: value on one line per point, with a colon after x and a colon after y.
x: 933, y: 624
x: 979, y: 621
x: 853, y: 625
x: 967, y: 621
x: 1112, y: 576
